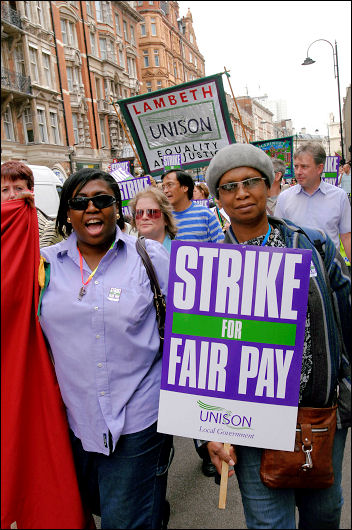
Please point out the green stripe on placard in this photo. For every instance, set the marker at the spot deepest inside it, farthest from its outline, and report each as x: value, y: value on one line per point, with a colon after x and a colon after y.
x: 125, y: 203
x: 251, y: 330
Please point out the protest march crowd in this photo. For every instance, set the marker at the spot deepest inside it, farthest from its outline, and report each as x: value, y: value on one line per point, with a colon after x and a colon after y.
x: 83, y: 336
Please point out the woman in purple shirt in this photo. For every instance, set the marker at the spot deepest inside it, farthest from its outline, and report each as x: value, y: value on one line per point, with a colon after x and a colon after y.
x: 98, y: 315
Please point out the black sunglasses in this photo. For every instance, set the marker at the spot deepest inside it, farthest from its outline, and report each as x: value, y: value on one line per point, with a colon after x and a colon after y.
x: 99, y: 201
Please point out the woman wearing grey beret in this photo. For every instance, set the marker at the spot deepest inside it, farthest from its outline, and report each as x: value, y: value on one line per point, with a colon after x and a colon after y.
x: 240, y: 175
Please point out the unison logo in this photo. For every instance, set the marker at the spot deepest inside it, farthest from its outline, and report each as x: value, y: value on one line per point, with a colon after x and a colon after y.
x: 219, y: 415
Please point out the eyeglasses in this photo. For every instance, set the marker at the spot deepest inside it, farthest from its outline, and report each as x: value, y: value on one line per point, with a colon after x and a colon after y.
x: 151, y: 213
x: 167, y: 186
x: 99, y: 201
x: 247, y: 184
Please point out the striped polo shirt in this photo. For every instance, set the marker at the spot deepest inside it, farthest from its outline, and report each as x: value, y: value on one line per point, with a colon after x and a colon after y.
x: 198, y: 223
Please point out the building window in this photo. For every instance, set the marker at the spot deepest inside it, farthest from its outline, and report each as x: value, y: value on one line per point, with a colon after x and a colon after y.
x: 153, y: 27
x: 125, y: 31
x: 54, y: 127
x: 89, y: 8
x: 117, y: 24
x: 69, y: 78
x: 43, y: 133
x: 159, y: 85
x: 149, y: 86
x: 195, y: 61
x: 133, y: 39
x: 75, y: 127
x: 143, y: 31
x: 102, y: 130
x: 175, y: 69
x: 156, y: 58
x: 98, y: 87
x: 27, y: 9
x: 46, y: 68
x: 8, y: 125
x: 68, y: 32
x: 39, y: 13
x: 151, y: 3
x: 102, y: 44
x: 121, y: 58
x: 190, y: 57
x: 92, y: 44
x: 33, y: 58
x: 146, y: 58
x: 99, y: 11
x: 19, y: 60
x: 191, y: 38
x: 28, y: 125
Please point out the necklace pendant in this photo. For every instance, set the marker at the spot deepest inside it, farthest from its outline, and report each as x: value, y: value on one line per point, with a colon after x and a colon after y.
x: 82, y: 292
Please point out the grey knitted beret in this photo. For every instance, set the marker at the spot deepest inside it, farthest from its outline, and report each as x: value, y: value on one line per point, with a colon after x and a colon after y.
x: 237, y: 155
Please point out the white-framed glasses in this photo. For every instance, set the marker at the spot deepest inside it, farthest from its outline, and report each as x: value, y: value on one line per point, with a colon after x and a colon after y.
x: 247, y: 184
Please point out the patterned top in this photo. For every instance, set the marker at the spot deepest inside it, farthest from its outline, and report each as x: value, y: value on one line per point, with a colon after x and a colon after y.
x: 198, y: 223
x: 277, y: 240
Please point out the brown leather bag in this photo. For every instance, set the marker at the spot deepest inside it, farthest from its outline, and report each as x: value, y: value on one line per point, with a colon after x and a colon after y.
x: 310, y: 464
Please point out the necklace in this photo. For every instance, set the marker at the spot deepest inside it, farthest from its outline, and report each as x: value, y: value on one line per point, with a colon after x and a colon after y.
x: 82, y: 290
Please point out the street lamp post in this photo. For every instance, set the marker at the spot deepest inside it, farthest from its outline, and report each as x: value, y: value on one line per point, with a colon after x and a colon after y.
x: 308, y: 61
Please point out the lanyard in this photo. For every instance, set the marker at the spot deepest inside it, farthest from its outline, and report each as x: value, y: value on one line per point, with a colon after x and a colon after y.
x: 82, y: 290
x: 265, y: 238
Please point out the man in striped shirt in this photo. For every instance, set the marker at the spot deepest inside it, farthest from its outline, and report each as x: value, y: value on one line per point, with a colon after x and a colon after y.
x: 194, y: 222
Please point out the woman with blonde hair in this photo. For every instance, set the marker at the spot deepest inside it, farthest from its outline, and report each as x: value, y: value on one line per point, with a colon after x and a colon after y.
x: 153, y: 217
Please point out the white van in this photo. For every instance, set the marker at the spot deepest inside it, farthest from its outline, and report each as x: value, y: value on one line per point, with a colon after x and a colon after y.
x: 47, y: 187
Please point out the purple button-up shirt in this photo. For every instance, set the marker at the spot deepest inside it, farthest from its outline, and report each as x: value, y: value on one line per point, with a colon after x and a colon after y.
x: 104, y: 344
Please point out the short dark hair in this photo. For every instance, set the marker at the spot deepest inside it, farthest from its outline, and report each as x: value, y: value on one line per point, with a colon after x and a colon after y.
x: 14, y: 169
x: 184, y: 179
x: 79, y: 180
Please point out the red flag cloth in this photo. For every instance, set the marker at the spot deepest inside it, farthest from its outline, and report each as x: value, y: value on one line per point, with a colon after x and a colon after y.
x: 38, y: 481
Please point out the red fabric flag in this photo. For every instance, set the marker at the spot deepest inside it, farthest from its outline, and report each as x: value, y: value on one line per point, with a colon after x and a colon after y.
x: 38, y: 481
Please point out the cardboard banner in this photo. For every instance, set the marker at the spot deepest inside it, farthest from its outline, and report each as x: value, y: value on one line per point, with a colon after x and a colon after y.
x: 331, y: 170
x: 279, y: 148
x: 233, y: 346
x: 129, y: 189
x: 190, y: 119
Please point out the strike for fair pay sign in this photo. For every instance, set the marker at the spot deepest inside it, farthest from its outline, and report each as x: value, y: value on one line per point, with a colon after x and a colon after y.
x: 233, y: 343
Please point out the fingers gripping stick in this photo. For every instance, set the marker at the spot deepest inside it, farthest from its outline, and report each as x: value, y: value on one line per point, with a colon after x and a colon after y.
x: 224, y: 479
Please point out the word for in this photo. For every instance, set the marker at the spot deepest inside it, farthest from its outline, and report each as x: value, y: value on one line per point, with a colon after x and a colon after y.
x: 231, y: 329
x: 233, y: 267
x: 211, y: 372
x: 194, y: 94
x: 130, y: 188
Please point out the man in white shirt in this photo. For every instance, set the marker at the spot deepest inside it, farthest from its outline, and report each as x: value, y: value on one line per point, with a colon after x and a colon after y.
x: 314, y: 203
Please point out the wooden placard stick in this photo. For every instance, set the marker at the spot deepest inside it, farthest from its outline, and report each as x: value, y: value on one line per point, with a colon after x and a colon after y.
x: 238, y: 110
x: 224, y: 479
x: 125, y: 131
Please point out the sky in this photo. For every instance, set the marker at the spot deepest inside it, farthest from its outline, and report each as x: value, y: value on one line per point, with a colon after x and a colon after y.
x: 263, y: 45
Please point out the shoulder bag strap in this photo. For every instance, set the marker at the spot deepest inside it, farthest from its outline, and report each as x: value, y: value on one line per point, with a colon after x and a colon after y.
x: 159, y: 298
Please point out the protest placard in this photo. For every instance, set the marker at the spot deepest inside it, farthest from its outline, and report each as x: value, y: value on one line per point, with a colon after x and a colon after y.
x: 279, y: 148
x: 129, y: 189
x: 171, y: 162
x: 331, y: 170
x: 233, y: 346
x: 190, y: 119
x: 202, y: 202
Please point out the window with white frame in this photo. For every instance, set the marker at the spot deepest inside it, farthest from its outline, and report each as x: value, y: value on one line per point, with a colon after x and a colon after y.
x: 63, y: 31
x: 69, y: 74
x: 143, y: 31
x: 54, y: 127
x: 133, y: 37
x: 33, y: 59
x: 159, y: 85
x: 99, y: 11
x: 89, y: 8
x: 121, y: 58
x: 92, y: 44
x: 175, y: 69
x: 8, y: 124
x: 149, y: 86
x: 19, y: 60
x: 43, y: 133
x: 146, y: 58
x: 156, y: 58
x: 75, y: 127
x: 125, y: 30
x: 190, y: 57
x: 39, y: 10
x: 153, y: 27
x: 102, y: 45
x: 117, y: 24
x: 46, y: 68
x: 191, y: 38
x: 195, y: 61
x: 28, y: 125
x: 68, y: 32
x: 27, y: 9
x: 102, y: 130
x: 98, y: 87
